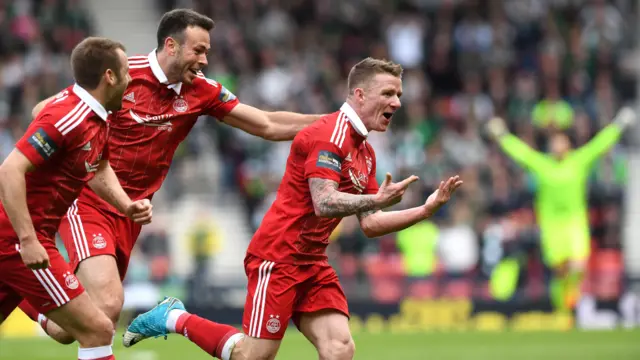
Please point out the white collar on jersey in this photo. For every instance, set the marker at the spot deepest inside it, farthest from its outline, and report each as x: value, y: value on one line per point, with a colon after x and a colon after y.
x: 91, y: 101
x: 160, y: 75
x: 354, y: 119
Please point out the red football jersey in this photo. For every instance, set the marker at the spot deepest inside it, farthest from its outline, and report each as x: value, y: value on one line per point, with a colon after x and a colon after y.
x: 334, y: 148
x: 65, y: 143
x: 155, y: 118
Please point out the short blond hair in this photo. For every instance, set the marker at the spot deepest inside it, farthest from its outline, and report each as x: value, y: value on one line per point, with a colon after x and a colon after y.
x: 363, y: 71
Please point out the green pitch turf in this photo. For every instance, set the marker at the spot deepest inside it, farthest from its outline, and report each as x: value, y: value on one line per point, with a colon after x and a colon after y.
x: 618, y: 345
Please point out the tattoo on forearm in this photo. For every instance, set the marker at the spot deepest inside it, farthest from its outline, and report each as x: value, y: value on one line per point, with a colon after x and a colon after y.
x: 332, y: 203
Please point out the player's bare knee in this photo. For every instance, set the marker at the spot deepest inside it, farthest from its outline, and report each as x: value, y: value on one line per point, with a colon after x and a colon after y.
x: 255, y: 349
x: 111, y: 305
x: 337, y: 349
x: 100, y: 332
x: 64, y: 339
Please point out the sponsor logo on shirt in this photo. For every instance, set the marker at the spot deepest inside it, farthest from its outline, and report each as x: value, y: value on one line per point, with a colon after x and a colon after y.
x: 43, y: 143
x: 148, y: 120
x: 329, y: 160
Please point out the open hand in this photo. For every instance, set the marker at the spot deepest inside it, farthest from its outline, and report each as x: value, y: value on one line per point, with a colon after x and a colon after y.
x: 442, y: 194
x: 391, y: 193
x: 140, y: 211
x: 496, y: 127
x: 625, y: 117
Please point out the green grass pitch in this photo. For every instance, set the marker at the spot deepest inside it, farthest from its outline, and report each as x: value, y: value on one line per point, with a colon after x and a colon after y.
x: 571, y: 345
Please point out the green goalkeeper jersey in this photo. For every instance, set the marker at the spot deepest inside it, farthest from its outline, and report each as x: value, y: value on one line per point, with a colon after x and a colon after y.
x: 561, y: 197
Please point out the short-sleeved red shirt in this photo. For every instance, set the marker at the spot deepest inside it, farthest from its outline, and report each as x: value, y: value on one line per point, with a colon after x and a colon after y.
x: 65, y: 143
x: 155, y: 118
x: 334, y: 148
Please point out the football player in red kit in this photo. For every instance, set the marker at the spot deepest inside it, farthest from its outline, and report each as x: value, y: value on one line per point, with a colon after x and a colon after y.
x: 330, y: 174
x: 63, y: 149
x: 166, y: 96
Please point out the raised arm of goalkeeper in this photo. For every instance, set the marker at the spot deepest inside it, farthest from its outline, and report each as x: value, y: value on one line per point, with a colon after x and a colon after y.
x: 607, y: 137
x: 515, y: 148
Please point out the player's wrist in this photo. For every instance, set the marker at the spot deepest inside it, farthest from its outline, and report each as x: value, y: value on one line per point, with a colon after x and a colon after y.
x: 28, y: 239
x: 127, y: 207
x: 427, y: 210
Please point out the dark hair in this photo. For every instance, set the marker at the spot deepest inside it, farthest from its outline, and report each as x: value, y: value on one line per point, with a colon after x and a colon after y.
x: 363, y: 71
x: 91, y: 58
x: 174, y: 22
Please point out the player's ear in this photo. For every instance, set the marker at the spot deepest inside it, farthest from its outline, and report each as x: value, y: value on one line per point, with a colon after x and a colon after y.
x: 358, y: 94
x: 111, y: 77
x: 171, y: 45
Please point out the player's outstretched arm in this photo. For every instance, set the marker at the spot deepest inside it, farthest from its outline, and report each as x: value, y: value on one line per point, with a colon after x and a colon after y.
x: 105, y: 184
x: 13, y: 194
x: 329, y: 202
x: 607, y: 137
x: 379, y: 223
x: 274, y: 126
x: 515, y: 148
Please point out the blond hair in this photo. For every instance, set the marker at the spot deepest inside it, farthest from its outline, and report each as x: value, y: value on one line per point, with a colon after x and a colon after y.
x: 366, y: 69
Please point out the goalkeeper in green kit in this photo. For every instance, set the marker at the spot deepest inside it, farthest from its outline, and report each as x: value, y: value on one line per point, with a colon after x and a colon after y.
x: 560, y: 205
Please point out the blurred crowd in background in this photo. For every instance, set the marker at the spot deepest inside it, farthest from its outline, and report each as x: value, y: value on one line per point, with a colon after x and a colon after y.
x: 542, y: 65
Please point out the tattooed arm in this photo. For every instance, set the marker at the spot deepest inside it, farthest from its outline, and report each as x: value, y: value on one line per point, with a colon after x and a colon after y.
x: 329, y: 202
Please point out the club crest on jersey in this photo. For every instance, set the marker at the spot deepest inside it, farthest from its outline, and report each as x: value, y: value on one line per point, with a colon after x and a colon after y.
x: 99, y: 242
x: 71, y: 281
x: 273, y: 324
x: 180, y: 105
x: 358, y: 179
x: 93, y: 167
x: 369, y: 164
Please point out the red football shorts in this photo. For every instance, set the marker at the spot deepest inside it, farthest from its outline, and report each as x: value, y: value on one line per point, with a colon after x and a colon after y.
x: 279, y: 292
x: 44, y: 289
x: 87, y: 231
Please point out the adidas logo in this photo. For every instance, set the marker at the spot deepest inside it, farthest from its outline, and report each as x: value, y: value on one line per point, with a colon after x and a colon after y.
x: 348, y: 158
x: 130, y: 97
x: 87, y: 146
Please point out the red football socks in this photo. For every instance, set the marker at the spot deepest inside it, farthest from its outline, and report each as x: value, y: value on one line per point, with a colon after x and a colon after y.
x: 215, y: 339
